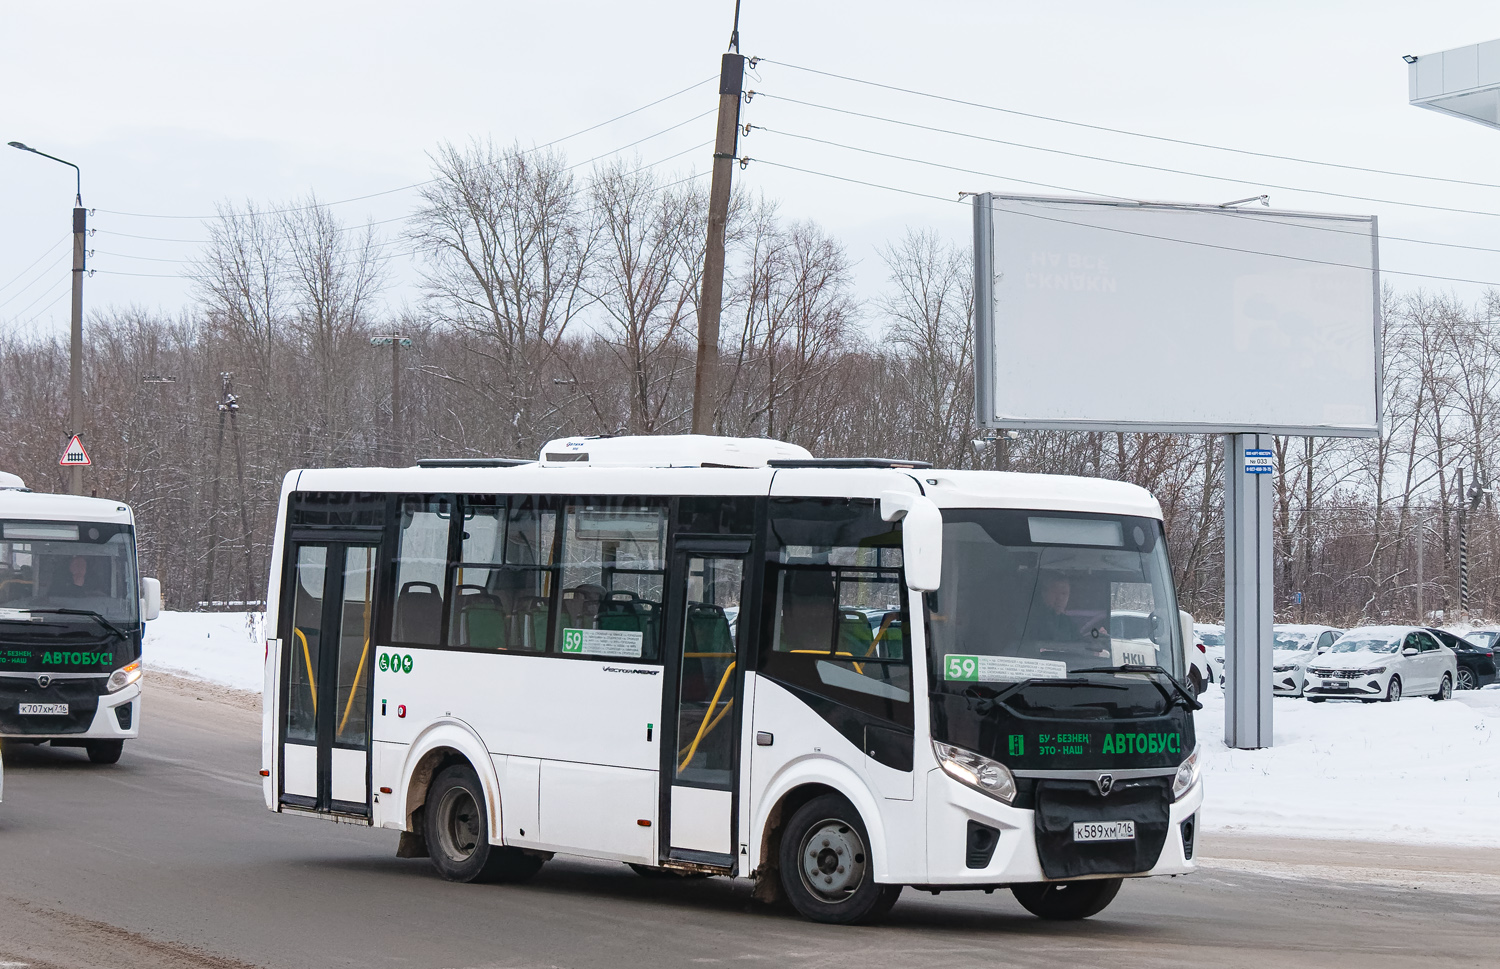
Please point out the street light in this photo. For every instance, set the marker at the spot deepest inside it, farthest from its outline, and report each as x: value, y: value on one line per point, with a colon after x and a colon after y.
x: 1462, y: 83
x: 75, y: 362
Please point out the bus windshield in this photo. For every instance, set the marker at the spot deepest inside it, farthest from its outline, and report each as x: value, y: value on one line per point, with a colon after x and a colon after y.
x: 1043, y: 595
x: 83, y: 566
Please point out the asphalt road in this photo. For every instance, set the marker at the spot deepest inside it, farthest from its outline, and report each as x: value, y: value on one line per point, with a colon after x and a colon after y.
x: 168, y: 860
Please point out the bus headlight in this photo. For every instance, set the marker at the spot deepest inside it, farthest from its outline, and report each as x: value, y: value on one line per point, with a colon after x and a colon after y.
x: 1187, y: 774
x: 984, y: 775
x: 124, y: 676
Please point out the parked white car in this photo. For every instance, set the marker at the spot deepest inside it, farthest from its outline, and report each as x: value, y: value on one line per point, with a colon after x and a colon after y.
x: 1195, y: 658
x: 1295, y: 645
x: 1211, y: 635
x: 1383, y: 663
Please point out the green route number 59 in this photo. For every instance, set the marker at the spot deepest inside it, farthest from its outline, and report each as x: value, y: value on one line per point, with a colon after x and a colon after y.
x: 958, y: 667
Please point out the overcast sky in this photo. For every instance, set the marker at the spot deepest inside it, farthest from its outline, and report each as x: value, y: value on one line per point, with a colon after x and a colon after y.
x: 172, y: 108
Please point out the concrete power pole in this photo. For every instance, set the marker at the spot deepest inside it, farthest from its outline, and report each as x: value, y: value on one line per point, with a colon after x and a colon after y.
x: 395, y: 444
x: 726, y: 144
x: 75, y: 363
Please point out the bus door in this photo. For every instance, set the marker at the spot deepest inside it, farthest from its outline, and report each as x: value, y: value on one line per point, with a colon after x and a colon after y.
x: 702, y: 716
x: 329, y: 615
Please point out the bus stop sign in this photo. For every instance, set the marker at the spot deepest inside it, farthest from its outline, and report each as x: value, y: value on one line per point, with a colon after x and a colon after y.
x: 74, y: 456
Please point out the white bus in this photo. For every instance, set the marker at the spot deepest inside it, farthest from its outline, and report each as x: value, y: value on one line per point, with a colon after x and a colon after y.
x: 72, y: 615
x: 722, y: 656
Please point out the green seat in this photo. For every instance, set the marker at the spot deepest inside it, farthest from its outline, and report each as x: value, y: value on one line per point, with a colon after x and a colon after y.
x: 483, y: 622
x: 855, y: 636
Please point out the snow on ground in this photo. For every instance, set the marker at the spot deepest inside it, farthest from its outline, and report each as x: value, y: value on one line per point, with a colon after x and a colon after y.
x: 1414, y: 771
x: 221, y: 647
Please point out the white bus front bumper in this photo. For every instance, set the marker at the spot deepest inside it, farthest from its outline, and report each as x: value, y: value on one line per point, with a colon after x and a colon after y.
x: 951, y: 805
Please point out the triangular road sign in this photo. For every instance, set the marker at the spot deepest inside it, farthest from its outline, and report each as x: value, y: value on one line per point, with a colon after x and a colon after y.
x: 74, y: 456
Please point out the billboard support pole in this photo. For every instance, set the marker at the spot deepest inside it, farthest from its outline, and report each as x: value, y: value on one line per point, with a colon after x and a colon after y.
x: 1248, y: 591
x: 984, y: 312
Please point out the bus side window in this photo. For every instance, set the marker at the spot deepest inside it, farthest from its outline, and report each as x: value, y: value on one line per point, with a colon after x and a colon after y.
x: 613, y: 576
x: 421, y: 567
x: 839, y: 615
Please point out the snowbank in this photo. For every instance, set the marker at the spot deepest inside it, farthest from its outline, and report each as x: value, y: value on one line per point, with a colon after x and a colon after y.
x: 222, y: 647
x: 1413, y: 771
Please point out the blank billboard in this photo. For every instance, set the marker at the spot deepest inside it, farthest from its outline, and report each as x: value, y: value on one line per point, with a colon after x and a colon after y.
x: 1132, y: 316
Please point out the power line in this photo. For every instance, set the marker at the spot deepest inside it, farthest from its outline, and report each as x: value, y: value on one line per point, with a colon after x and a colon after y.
x: 36, y: 279
x: 67, y: 285
x: 406, y: 188
x: 1133, y: 134
x: 954, y: 168
x: 1131, y: 232
x: 1098, y: 158
x: 28, y: 269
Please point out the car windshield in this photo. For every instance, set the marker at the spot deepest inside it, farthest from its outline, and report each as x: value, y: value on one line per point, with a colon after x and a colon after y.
x: 1027, y: 595
x: 85, y: 566
x: 1367, y: 644
x: 1295, y: 640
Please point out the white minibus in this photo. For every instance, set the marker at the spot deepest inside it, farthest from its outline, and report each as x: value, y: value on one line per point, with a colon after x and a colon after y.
x: 72, y: 616
x: 713, y: 656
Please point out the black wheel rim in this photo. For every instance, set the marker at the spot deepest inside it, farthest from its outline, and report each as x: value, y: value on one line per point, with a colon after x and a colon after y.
x: 458, y: 824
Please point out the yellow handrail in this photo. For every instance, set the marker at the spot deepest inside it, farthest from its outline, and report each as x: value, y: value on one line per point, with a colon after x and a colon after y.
x: 353, y: 690
x: 703, y: 724
x: 858, y: 667
x: 312, y: 681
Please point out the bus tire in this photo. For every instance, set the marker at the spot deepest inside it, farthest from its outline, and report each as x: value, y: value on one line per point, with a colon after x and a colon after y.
x: 457, y: 831
x: 1067, y: 901
x: 104, y: 751
x: 826, y: 869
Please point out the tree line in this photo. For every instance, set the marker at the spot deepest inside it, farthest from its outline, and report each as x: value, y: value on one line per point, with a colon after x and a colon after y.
x: 556, y: 303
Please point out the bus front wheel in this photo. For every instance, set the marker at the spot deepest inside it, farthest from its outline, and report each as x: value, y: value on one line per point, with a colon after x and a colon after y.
x: 826, y: 868
x: 1066, y: 901
x: 104, y: 751
x: 457, y: 829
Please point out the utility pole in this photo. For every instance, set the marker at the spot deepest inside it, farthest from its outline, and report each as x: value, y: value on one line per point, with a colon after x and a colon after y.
x: 228, y: 403
x: 394, y: 442
x: 75, y: 364
x: 1463, y: 548
x: 1421, y: 566
x: 726, y: 144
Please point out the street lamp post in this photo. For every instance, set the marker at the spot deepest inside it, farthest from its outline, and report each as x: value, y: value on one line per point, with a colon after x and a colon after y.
x: 75, y: 361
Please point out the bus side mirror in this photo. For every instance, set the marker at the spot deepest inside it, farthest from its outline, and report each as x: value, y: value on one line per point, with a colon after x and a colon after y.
x: 921, y: 537
x: 150, y: 599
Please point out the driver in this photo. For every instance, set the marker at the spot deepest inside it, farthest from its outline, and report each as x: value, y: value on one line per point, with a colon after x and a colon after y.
x: 76, y: 583
x: 1049, y: 620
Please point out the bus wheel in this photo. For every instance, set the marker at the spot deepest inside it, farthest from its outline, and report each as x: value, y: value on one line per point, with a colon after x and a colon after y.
x: 826, y: 869
x: 1065, y: 901
x: 104, y: 751
x: 458, y: 833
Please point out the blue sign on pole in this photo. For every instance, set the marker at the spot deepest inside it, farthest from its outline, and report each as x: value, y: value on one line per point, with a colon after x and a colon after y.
x: 1258, y: 461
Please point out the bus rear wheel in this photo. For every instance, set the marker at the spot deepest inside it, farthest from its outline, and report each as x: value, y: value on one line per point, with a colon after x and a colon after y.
x: 1066, y: 901
x: 104, y: 751
x: 457, y: 829
x: 826, y: 868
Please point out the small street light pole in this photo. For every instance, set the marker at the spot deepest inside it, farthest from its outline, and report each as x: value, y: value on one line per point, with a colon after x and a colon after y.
x: 75, y: 362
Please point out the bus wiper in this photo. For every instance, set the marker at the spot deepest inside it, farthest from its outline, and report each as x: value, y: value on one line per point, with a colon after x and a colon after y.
x: 1182, y: 692
x: 116, y: 630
